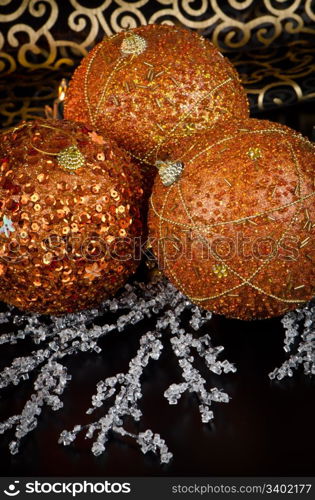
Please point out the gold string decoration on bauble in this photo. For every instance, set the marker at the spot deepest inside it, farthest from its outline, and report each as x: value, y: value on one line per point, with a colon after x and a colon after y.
x: 234, y: 231
x: 146, y: 85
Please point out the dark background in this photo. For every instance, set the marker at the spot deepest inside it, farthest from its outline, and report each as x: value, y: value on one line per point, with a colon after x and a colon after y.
x: 266, y: 429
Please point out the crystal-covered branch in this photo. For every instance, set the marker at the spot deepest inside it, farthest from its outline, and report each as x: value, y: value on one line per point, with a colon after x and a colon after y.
x: 299, y: 343
x: 48, y: 386
x: 64, y: 336
x: 194, y: 382
x: 127, y: 391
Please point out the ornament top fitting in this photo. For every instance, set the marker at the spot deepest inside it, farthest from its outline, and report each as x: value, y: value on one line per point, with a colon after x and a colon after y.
x: 71, y: 158
x: 169, y: 171
x: 133, y: 44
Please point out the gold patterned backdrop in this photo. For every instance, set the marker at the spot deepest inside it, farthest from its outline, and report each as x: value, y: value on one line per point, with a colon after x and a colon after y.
x: 271, y: 42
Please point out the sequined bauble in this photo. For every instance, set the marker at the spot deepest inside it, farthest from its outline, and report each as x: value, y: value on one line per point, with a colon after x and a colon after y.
x: 235, y: 231
x: 152, y: 83
x: 69, y: 217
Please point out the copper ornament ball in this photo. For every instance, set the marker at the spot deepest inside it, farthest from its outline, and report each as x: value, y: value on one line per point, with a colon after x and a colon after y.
x: 151, y: 83
x: 69, y: 216
x: 233, y: 227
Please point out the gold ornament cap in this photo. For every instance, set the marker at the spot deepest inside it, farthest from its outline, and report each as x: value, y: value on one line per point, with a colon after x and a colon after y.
x: 71, y: 158
x: 133, y: 44
x: 169, y: 171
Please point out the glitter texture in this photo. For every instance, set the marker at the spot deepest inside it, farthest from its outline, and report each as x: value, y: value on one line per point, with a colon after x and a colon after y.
x: 63, y: 210
x: 171, y: 84
x: 238, y: 238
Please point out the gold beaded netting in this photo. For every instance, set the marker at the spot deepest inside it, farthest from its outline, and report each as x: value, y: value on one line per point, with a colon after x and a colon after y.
x: 234, y: 226
x: 69, y: 216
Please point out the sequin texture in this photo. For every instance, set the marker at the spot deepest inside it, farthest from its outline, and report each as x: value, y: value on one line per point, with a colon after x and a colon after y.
x: 53, y: 244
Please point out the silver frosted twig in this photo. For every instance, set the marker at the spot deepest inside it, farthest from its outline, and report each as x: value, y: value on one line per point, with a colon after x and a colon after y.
x: 127, y: 391
x: 62, y: 337
x: 48, y: 386
x: 299, y: 343
x: 194, y: 383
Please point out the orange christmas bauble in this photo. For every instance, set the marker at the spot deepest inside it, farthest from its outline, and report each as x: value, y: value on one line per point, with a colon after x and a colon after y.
x: 69, y: 216
x: 232, y: 218
x: 147, y: 85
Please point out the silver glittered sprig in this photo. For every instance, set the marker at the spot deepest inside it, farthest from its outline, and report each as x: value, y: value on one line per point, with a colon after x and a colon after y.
x: 125, y: 389
x: 58, y: 338
x: 299, y: 343
x: 194, y: 383
x: 48, y: 386
x: 61, y: 337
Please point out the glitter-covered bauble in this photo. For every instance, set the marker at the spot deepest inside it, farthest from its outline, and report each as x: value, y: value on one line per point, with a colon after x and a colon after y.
x: 69, y: 216
x: 147, y: 85
x: 232, y: 218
